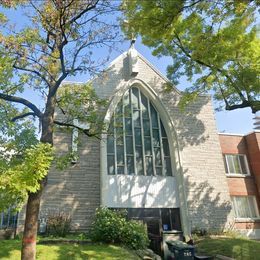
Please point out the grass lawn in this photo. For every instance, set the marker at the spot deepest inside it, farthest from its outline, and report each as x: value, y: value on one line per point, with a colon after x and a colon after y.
x: 237, y: 248
x: 10, y: 249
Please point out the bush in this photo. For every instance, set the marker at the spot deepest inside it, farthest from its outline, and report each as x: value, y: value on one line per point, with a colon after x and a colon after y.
x: 134, y: 235
x: 7, y: 233
x: 108, y: 225
x: 58, y: 224
x: 111, y: 226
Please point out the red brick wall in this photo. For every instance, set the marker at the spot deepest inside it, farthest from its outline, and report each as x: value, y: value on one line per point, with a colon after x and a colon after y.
x: 241, y: 186
x: 233, y: 144
x: 253, y: 144
x: 249, y: 145
x: 247, y: 225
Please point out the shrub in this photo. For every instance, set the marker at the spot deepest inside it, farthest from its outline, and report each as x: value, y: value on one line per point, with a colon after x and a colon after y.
x: 7, y: 233
x: 199, y: 231
x: 58, y: 224
x: 108, y: 225
x: 134, y: 235
x: 111, y: 226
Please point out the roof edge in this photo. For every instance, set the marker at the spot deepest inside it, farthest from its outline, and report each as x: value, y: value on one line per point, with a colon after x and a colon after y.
x: 236, y: 134
x: 157, y: 71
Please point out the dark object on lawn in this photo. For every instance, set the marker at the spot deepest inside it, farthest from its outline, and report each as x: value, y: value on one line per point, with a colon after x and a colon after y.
x: 190, y: 242
x: 180, y: 250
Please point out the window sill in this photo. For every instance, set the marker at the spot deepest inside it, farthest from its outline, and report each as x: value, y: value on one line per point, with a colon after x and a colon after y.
x: 238, y: 175
x: 247, y: 220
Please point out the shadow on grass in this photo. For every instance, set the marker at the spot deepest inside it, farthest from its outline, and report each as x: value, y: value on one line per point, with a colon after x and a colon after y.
x: 93, y: 252
x: 237, y: 248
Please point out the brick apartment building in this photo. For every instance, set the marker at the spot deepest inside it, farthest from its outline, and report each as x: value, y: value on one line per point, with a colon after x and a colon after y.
x: 241, y: 154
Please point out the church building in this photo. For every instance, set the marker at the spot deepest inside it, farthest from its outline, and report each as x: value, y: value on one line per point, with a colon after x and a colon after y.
x: 162, y: 164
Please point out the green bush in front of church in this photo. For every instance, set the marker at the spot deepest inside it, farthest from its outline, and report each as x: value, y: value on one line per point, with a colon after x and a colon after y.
x: 111, y: 226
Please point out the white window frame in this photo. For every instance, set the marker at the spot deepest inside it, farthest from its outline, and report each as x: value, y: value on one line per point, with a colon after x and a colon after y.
x: 241, y: 174
x: 235, y: 206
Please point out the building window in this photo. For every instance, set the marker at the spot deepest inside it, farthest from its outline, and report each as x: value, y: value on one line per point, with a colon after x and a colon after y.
x: 8, y: 218
x: 137, y: 143
x: 245, y: 206
x: 236, y: 164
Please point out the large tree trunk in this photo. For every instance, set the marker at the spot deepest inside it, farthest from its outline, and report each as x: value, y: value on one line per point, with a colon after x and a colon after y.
x: 34, y: 199
x: 31, y: 225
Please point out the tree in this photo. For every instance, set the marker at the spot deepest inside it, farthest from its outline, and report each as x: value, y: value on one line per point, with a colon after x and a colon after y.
x: 16, y: 138
x: 213, y: 43
x: 56, y: 41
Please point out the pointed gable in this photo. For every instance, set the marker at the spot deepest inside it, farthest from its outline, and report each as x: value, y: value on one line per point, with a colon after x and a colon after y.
x: 125, y: 68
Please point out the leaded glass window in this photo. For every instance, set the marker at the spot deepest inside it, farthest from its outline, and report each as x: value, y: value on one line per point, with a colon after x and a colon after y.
x: 137, y: 143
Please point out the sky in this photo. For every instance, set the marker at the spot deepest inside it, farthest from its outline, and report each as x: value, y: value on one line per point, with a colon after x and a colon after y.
x: 239, y: 121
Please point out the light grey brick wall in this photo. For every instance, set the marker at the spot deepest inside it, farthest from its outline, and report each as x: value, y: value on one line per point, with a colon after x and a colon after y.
x: 75, y: 190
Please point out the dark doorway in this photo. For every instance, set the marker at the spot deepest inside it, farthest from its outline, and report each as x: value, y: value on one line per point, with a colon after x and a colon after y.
x: 157, y: 221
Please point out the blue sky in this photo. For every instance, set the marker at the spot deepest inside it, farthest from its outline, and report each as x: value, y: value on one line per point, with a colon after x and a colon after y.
x: 239, y: 121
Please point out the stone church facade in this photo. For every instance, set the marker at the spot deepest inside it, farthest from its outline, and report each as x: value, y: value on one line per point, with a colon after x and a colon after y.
x: 156, y: 160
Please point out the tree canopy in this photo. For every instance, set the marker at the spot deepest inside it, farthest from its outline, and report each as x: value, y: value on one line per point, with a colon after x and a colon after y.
x: 54, y: 40
x: 215, y: 44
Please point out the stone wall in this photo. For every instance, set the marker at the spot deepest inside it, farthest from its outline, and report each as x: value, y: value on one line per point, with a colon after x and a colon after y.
x: 75, y: 190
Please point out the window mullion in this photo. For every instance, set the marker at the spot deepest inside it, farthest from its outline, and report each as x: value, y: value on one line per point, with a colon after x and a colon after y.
x: 239, y: 163
x: 151, y: 136
x: 115, y: 142
x: 161, y: 145
x: 133, y: 130
x: 124, y: 138
x: 233, y: 164
x: 142, y: 130
x: 249, y: 206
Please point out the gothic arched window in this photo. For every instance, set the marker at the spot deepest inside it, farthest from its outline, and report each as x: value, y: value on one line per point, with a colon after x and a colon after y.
x: 137, y: 143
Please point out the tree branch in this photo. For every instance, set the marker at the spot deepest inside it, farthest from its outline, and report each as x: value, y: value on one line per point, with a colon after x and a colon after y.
x: 22, y: 116
x: 180, y: 45
x: 32, y: 71
x: 75, y: 18
x: 85, y: 131
x: 22, y: 101
x: 254, y: 105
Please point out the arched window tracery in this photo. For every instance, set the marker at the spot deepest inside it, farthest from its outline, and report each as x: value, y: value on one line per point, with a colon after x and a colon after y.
x: 137, y: 142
